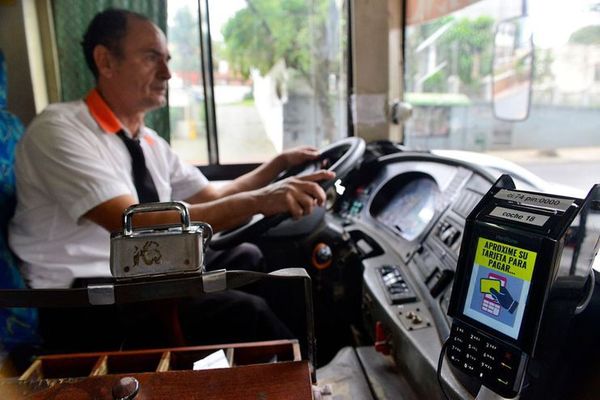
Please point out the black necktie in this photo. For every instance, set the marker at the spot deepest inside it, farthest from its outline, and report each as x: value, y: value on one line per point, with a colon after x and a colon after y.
x: 144, y: 185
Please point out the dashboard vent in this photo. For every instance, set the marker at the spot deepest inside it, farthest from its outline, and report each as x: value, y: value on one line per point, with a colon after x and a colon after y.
x: 464, y: 206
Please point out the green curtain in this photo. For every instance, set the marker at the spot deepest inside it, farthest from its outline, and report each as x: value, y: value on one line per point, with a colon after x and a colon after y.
x: 71, y: 18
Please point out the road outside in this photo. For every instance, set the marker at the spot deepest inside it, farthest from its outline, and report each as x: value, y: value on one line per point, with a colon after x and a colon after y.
x: 578, y: 167
x: 241, y: 135
x: 242, y: 139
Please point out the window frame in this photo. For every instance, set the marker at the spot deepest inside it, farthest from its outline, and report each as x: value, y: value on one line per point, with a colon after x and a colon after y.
x: 208, y: 85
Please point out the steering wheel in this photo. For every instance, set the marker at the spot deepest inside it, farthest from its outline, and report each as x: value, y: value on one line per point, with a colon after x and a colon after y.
x: 338, y: 157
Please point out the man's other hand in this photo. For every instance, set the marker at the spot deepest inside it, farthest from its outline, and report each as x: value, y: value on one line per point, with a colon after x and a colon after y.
x: 296, y: 156
x: 297, y: 196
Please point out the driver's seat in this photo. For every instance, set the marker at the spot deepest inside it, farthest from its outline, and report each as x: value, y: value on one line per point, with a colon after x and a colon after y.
x: 18, y: 326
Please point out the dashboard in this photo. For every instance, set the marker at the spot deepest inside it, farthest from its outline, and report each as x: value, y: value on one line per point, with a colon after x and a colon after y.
x: 405, y: 213
x: 383, y: 255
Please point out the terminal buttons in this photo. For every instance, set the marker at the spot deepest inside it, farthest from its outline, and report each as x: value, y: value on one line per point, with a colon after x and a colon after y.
x: 498, y: 366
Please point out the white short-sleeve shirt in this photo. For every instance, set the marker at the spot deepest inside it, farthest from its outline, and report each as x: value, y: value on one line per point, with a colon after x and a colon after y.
x: 69, y: 161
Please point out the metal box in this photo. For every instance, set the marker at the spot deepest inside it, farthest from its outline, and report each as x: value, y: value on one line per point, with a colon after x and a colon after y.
x: 158, y: 250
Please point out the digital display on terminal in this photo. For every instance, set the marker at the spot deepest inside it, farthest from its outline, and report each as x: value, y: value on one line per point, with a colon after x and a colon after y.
x: 499, y: 285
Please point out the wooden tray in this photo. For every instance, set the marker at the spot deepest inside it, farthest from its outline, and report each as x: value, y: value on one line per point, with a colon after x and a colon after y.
x: 261, y: 370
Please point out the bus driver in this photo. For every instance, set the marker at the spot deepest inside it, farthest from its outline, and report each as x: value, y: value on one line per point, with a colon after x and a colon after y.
x: 75, y: 175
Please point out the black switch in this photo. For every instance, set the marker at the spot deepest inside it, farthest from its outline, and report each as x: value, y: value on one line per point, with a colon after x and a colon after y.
x: 443, y: 282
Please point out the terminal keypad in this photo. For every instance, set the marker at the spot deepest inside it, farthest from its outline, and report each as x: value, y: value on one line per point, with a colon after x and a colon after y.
x: 498, y: 366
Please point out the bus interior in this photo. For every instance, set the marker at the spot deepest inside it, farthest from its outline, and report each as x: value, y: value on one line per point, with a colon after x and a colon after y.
x: 428, y: 111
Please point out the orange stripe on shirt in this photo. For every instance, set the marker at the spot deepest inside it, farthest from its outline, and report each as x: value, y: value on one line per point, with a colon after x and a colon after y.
x: 102, y: 113
x: 149, y: 139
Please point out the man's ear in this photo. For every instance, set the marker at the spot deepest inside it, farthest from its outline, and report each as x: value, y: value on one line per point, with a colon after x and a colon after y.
x: 104, y: 61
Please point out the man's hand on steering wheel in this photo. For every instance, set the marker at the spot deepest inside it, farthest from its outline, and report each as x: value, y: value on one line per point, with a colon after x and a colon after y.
x: 297, y: 190
x: 296, y: 195
x: 296, y: 156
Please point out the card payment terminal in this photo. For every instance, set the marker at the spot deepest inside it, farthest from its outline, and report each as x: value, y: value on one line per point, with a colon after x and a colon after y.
x: 509, y: 260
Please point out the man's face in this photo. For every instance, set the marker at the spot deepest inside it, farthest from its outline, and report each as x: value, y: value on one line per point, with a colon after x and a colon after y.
x: 141, y: 73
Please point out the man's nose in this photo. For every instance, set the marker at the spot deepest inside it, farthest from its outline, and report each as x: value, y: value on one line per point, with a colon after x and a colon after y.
x: 164, y: 72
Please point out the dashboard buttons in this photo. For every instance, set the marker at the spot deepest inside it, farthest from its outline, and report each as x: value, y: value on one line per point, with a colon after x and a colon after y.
x: 356, y: 208
x: 444, y: 279
x: 448, y: 233
x: 396, y: 287
x: 412, y: 317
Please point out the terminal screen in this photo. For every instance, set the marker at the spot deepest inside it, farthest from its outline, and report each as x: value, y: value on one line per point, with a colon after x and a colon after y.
x: 499, y: 285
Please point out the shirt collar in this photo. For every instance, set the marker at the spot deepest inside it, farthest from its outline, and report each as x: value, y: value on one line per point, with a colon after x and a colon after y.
x: 106, y: 119
x: 102, y: 113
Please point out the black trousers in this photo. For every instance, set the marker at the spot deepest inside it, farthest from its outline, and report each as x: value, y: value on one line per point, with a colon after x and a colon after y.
x: 246, y: 257
x: 223, y: 317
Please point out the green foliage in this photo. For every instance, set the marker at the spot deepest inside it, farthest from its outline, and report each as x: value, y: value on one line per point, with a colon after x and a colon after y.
x: 466, y: 47
x: 472, y: 42
x: 305, y: 34
x: 267, y: 31
x: 586, y: 35
x: 429, y: 29
x: 435, y: 83
x: 472, y: 34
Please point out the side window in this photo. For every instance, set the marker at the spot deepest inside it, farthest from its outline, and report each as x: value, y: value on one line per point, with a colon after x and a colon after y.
x: 278, y: 77
x: 448, y: 71
x: 449, y: 53
x: 187, y: 115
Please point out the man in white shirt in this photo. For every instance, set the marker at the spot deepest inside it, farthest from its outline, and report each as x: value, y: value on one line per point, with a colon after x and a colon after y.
x: 74, y: 170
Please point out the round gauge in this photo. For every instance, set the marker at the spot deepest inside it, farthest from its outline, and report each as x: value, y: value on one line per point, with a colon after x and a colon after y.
x: 406, y: 204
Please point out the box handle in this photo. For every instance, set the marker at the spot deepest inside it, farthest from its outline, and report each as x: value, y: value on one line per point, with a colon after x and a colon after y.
x: 152, y: 207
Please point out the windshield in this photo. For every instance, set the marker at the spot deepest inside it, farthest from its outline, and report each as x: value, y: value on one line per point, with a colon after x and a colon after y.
x: 274, y: 77
x: 448, y: 81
